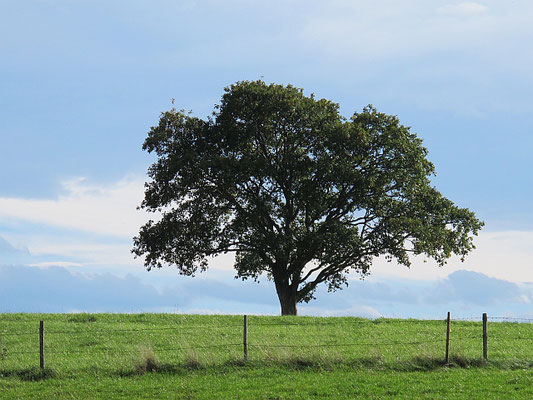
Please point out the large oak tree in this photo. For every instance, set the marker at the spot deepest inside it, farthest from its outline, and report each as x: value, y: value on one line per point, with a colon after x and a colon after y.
x: 295, y: 190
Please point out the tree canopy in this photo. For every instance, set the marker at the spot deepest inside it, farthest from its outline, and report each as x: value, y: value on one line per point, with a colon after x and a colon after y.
x: 295, y: 190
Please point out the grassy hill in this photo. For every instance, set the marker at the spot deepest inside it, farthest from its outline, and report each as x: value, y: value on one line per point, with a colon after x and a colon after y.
x: 201, y: 357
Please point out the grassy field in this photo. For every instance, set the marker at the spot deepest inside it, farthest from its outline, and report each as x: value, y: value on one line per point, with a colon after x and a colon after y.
x: 201, y: 357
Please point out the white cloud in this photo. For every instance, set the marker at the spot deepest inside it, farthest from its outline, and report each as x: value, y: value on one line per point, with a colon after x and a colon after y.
x: 88, y: 252
x: 7, y: 247
x: 525, y: 299
x: 464, y: 9
x: 55, y: 264
x: 506, y: 255
x: 108, y: 210
x: 398, y: 31
x: 111, y: 210
x: 103, y: 209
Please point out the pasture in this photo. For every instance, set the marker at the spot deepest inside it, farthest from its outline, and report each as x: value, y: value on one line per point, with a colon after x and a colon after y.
x: 178, y: 356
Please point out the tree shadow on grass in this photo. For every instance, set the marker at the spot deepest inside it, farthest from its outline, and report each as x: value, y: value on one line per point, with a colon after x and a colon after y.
x: 29, y: 374
x: 292, y: 363
x: 171, y: 369
x: 302, y: 363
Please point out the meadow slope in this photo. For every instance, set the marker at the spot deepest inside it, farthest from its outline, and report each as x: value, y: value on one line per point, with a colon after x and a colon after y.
x: 173, y: 356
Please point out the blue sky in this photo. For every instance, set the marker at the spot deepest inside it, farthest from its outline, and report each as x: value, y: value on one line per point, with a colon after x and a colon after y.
x: 82, y: 82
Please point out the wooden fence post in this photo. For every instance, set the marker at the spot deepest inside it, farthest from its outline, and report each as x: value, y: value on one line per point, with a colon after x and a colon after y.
x: 245, y: 337
x: 41, y: 344
x: 447, y: 358
x: 485, y: 337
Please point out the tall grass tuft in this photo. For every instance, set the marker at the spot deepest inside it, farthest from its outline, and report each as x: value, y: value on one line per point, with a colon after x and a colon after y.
x: 192, y: 361
x: 147, y: 362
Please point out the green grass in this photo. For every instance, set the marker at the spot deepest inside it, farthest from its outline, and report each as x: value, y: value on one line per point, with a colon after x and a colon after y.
x: 201, y: 357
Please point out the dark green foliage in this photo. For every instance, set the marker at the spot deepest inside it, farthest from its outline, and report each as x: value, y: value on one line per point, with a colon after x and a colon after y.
x: 295, y: 190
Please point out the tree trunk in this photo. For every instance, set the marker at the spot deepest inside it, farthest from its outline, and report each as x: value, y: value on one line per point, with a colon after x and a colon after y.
x: 287, y: 291
x: 287, y: 300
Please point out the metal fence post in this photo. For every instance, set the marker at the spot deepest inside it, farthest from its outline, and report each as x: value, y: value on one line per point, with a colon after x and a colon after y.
x: 485, y: 337
x: 447, y: 358
x: 245, y: 337
x: 41, y: 344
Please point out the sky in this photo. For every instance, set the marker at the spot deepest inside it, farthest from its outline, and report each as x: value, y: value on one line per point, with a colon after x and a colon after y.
x: 81, y: 83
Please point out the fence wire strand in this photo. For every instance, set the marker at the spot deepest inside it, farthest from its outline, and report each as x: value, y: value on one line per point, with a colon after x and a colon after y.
x: 267, y: 334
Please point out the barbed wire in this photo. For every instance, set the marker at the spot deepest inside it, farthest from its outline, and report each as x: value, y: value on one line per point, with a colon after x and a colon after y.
x: 18, y: 333
x: 304, y: 324
x: 178, y: 350
x: 179, y: 347
x: 459, y: 335
x: 225, y: 345
x: 9, y: 352
x: 177, y: 328
x: 123, y: 330
x: 456, y: 339
x: 49, y: 351
x: 511, y: 319
x: 251, y: 324
x: 392, y: 343
x: 466, y: 319
x: 499, y: 338
x: 89, y: 351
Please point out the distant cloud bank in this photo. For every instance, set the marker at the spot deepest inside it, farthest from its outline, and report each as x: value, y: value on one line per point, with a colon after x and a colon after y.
x: 57, y: 289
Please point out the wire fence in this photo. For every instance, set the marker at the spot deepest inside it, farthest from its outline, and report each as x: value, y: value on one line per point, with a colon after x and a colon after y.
x: 255, y: 338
